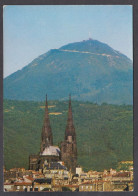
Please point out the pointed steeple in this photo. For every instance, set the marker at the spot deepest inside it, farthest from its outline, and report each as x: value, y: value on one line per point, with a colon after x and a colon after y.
x: 46, y: 136
x: 69, y: 145
x: 70, y: 130
x: 46, y: 118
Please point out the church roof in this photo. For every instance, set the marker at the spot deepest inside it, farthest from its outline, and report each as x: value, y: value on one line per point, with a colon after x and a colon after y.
x: 55, y: 165
x: 51, y: 150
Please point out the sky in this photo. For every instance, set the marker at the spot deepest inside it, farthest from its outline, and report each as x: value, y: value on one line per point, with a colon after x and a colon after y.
x: 30, y: 31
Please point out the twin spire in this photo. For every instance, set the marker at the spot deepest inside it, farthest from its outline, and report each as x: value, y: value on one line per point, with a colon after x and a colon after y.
x: 70, y: 130
x: 46, y: 136
x: 46, y: 119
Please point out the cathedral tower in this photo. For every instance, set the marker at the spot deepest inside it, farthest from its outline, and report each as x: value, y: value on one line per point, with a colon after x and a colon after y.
x: 69, y: 145
x: 46, y: 135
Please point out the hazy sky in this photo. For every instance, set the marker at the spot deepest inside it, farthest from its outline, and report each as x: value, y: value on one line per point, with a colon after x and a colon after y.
x: 30, y: 31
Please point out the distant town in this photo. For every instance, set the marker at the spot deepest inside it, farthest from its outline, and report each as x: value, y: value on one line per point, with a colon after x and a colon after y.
x: 55, y: 168
x: 56, y: 177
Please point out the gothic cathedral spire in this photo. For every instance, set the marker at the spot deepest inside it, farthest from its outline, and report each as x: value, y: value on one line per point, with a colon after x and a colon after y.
x: 46, y: 135
x: 70, y: 130
x: 69, y: 145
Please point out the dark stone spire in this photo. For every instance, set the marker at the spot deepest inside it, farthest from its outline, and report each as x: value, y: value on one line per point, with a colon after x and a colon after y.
x: 46, y: 136
x: 69, y: 145
x: 70, y: 130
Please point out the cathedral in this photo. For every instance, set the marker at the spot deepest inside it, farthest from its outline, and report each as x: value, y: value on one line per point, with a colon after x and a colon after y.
x: 67, y: 152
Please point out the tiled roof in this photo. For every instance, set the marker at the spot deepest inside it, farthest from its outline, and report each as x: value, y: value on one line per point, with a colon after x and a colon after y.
x: 22, y: 183
x: 29, y: 178
x: 124, y: 174
x: 6, y: 183
x: 107, y: 176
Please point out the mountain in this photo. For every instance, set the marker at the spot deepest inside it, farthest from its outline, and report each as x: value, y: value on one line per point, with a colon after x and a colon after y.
x: 104, y: 132
x: 90, y: 70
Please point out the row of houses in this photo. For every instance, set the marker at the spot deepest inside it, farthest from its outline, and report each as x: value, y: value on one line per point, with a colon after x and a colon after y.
x: 56, y: 177
x: 83, y: 187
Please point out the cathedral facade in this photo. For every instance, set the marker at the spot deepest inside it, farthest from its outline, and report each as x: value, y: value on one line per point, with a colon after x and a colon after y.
x: 67, y: 153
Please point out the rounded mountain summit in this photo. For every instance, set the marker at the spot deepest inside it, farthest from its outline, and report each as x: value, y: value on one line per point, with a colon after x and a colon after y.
x: 90, y: 70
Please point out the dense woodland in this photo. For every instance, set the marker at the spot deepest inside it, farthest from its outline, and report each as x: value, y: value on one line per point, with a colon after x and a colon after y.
x: 104, y: 132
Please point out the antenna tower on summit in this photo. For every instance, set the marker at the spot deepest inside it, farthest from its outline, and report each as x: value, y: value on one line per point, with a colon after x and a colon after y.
x: 90, y: 38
